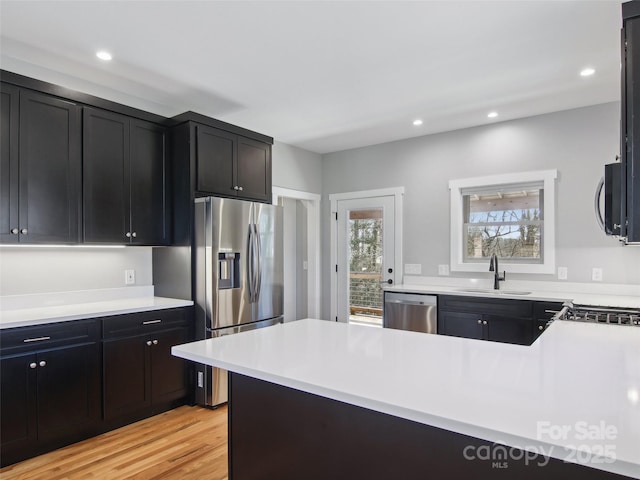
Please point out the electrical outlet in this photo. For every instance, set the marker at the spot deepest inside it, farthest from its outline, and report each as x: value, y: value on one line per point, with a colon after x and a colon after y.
x: 129, y: 277
x: 412, y: 269
x: 443, y: 269
x: 563, y: 273
x: 596, y: 274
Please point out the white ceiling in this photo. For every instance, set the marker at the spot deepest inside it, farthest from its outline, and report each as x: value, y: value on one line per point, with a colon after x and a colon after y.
x: 324, y: 76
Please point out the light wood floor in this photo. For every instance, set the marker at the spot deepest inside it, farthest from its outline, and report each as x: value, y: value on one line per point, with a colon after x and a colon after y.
x: 185, y: 443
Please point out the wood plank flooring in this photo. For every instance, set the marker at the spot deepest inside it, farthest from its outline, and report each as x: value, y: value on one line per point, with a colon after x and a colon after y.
x: 186, y: 443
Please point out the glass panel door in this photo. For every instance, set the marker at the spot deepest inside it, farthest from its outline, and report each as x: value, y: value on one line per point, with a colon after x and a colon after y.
x: 365, y: 258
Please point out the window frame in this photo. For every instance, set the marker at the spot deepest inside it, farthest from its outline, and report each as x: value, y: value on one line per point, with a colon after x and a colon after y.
x: 456, y: 187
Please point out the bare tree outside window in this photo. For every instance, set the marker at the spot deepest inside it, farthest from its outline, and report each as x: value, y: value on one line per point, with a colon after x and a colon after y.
x: 508, y: 222
x: 365, y: 263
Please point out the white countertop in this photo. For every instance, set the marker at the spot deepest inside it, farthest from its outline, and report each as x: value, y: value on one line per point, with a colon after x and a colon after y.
x: 573, y: 373
x: 28, y: 310
x: 556, y: 295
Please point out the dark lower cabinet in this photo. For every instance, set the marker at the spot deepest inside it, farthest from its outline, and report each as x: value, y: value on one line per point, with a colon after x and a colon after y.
x: 50, y: 394
x: 141, y: 377
x: 494, y: 319
x: 40, y: 168
x: 457, y: 324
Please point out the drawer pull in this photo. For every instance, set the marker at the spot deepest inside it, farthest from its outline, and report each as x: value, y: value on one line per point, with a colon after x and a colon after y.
x: 149, y: 343
x: 151, y: 322
x: 33, y: 365
x: 155, y: 342
x: 39, y: 339
x: 43, y: 363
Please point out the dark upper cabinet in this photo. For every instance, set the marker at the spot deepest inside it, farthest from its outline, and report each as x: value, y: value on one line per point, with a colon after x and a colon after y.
x: 9, y: 180
x: 124, y: 167
x: 254, y: 169
x: 232, y: 165
x: 630, y: 124
x: 40, y: 168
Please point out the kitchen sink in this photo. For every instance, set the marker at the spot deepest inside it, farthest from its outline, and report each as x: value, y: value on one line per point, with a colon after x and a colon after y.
x: 493, y: 292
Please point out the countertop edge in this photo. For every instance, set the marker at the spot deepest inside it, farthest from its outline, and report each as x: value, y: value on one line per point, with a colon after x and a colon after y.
x: 102, y: 311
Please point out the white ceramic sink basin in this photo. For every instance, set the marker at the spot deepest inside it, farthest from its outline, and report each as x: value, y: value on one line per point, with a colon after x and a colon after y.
x: 493, y: 292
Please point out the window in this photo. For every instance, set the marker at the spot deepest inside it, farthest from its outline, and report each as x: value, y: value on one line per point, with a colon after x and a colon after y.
x: 509, y: 215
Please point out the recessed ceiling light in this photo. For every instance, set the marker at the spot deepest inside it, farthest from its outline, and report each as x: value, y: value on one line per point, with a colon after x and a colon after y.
x: 104, y: 55
x: 417, y: 122
x: 587, y: 72
x: 492, y: 114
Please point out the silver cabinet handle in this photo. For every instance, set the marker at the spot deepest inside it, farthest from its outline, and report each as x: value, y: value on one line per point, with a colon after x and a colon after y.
x: 240, y: 188
x: 235, y: 187
x: 39, y: 339
x: 155, y: 342
x: 33, y: 365
x: 128, y: 234
x: 15, y: 231
x: 484, y: 322
x: 149, y: 343
x: 151, y: 322
x: 540, y: 327
x: 43, y: 363
x: 479, y: 322
x: 134, y: 234
x: 24, y: 231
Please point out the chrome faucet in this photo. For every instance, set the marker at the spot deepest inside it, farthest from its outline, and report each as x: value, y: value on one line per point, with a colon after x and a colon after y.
x: 493, y: 267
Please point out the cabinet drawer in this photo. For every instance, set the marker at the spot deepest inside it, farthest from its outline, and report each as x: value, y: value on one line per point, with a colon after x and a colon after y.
x: 143, y: 322
x: 489, y: 306
x: 14, y: 340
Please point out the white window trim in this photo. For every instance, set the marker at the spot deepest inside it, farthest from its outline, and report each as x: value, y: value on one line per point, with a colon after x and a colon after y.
x: 548, y: 178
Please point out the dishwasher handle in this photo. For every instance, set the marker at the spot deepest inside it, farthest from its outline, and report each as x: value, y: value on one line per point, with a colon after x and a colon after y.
x: 411, y: 299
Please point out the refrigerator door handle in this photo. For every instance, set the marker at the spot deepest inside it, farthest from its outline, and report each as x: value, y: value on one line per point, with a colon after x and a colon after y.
x: 249, y: 262
x: 258, y: 253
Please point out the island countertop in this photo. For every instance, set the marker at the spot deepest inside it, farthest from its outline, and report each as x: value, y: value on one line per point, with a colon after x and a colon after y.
x: 575, y: 390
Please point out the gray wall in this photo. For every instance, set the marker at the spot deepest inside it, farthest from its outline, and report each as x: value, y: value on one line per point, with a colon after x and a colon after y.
x: 575, y: 142
x: 296, y: 169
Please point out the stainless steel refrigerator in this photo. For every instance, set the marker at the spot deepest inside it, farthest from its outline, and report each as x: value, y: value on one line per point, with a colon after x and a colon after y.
x: 238, y: 277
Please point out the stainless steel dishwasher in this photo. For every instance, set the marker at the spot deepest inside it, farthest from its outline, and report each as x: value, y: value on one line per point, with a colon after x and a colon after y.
x: 411, y: 311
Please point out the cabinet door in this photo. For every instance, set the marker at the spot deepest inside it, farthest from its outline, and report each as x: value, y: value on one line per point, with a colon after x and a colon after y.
x: 50, y: 166
x: 18, y: 425
x: 168, y: 373
x: 254, y: 169
x: 9, y: 104
x: 127, y: 386
x: 215, y: 161
x: 69, y: 399
x: 508, y: 329
x: 106, y: 177
x: 467, y: 325
x: 148, y: 181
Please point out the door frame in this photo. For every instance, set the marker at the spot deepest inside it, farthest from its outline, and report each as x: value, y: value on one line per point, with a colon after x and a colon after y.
x: 398, y: 194
x: 312, y: 202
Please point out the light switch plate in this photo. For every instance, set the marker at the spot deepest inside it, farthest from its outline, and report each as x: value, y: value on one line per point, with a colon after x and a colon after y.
x: 563, y: 272
x: 412, y: 269
x: 596, y: 274
x: 443, y: 269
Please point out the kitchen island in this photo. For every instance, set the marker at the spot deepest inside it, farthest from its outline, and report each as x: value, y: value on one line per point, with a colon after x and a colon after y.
x: 316, y: 399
